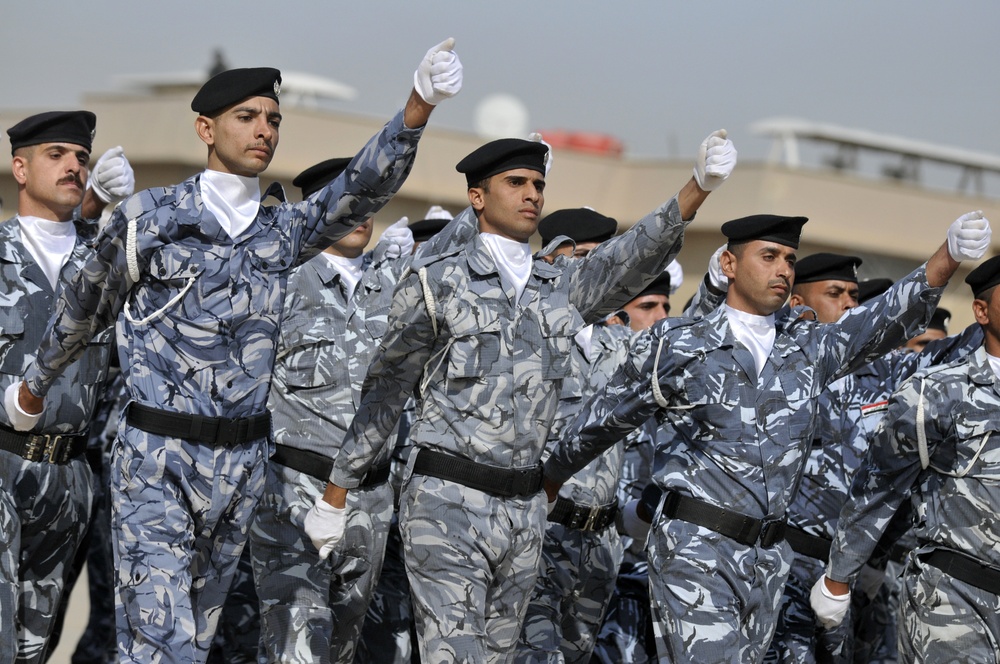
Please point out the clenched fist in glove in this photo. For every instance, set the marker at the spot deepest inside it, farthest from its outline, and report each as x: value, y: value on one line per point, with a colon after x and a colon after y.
x: 112, y: 178
x: 716, y: 160
x: 830, y: 609
x: 397, y: 239
x: 325, y: 525
x: 969, y: 237
x: 439, y: 74
x: 20, y: 419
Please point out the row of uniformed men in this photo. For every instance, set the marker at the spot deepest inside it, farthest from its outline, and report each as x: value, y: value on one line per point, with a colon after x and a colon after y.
x: 194, y: 276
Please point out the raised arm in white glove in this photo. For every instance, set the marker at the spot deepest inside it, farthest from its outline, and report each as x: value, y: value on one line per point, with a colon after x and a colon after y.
x: 112, y: 178
x: 716, y: 160
x: 325, y: 525
x: 397, y: 239
x: 18, y: 418
x: 830, y: 609
x: 439, y: 74
x: 969, y: 237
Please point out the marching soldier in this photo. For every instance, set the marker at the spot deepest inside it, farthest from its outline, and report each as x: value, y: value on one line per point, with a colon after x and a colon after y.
x: 198, y: 272
x: 45, y: 482
x: 741, y: 388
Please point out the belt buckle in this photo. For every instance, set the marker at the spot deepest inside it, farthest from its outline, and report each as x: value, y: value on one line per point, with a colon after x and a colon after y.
x: 770, y: 532
x: 54, y: 451
x: 36, y: 447
x: 592, y: 514
x: 228, y: 431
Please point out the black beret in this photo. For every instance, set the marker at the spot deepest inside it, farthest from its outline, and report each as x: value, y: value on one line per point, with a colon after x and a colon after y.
x: 659, y: 286
x: 579, y: 224
x: 984, y: 277
x: 425, y: 229
x: 502, y: 155
x: 76, y: 127
x: 827, y: 267
x: 769, y: 227
x: 870, y: 288
x: 318, y: 176
x: 939, y: 320
x: 235, y: 85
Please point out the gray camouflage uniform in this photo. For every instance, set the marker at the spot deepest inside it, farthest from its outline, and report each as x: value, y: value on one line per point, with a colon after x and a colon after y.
x: 197, y: 335
x: 942, y: 619
x: 312, y: 610
x: 578, y: 568
x: 44, y: 507
x: 740, y: 443
x: 492, y: 369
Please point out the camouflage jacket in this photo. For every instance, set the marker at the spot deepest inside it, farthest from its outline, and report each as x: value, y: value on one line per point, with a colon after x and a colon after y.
x: 28, y: 302
x: 850, y: 411
x: 490, y: 369
x: 739, y: 442
x: 324, y: 347
x: 200, y: 311
x: 597, y: 483
x: 954, y: 497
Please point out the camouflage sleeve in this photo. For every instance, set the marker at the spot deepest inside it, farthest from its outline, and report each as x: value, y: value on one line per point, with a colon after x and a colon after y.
x: 371, y: 179
x: 878, y: 326
x: 885, y: 479
x: 92, y: 300
x: 625, y: 403
x: 459, y: 232
x: 705, y: 301
x: 939, y: 351
x: 617, y: 270
x: 392, y: 376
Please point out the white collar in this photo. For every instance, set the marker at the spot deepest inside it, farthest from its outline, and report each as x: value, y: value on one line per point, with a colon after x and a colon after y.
x: 50, y: 243
x: 233, y: 199
x: 349, y: 270
x: 513, y: 260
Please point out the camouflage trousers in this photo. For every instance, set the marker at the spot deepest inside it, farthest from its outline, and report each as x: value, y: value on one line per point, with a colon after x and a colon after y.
x: 389, y: 634
x: 876, y: 641
x: 627, y: 632
x: 472, y: 560
x: 575, y: 582
x: 181, y: 513
x: 237, y: 635
x: 942, y: 619
x: 798, y: 638
x: 312, y: 610
x: 44, y: 509
x: 714, y: 600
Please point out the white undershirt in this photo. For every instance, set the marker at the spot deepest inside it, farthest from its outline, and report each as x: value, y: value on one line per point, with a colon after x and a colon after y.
x: 585, y: 338
x: 513, y: 260
x: 755, y: 332
x: 50, y: 243
x: 994, y: 364
x: 233, y: 199
x: 349, y: 270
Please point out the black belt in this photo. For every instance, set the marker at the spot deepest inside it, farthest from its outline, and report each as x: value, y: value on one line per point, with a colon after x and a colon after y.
x: 221, y: 431
x: 583, y: 517
x: 50, y: 447
x: 965, y: 569
x: 805, y: 544
x: 746, y: 530
x: 320, y: 467
x: 897, y: 553
x: 503, y: 482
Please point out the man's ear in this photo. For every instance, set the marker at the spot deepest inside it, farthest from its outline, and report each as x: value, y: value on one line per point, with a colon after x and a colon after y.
x: 727, y: 261
x: 795, y: 300
x: 19, y: 166
x: 205, y: 128
x: 477, y: 199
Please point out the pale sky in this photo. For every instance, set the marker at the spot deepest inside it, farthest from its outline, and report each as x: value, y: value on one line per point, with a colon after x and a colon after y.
x: 657, y: 75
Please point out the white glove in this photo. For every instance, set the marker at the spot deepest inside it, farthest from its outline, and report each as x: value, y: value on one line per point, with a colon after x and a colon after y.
x: 325, y: 525
x: 398, y: 239
x: 439, y: 74
x: 830, y: 609
x: 537, y: 138
x: 634, y: 525
x: 716, y: 160
x: 715, y: 275
x: 112, y: 178
x: 676, y: 273
x: 969, y: 237
x: 19, y: 420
